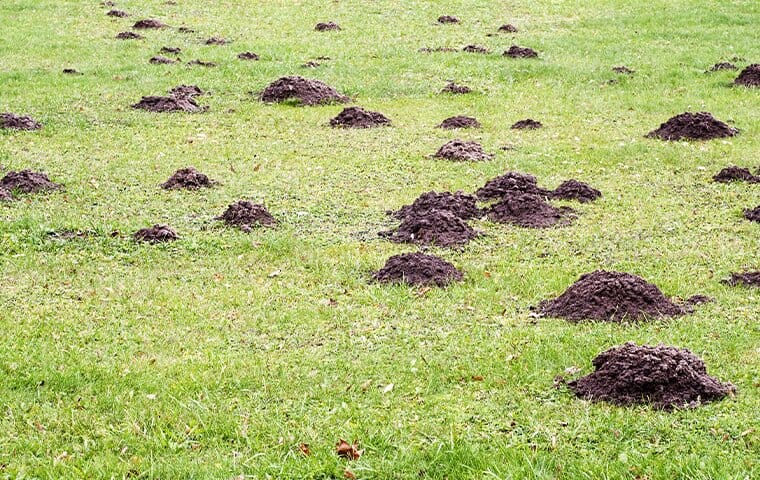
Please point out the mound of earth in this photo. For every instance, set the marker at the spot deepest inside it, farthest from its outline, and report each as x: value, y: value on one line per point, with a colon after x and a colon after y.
x: 246, y: 215
x: 734, y: 174
x: 5, y: 195
x: 753, y: 214
x: 723, y: 66
x: 527, y: 210
x: 509, y: 28
x: 575, y: 190
x: 217, y: 41
x: 357, y: 117
x: 664, y: 376
x: 693, y: 126
x: 509, y: 183
x: 418, y: 269
x: 171, y: 50
x: 186, y: 91
x: 128, y: 36
x: 326, y: 26
x: 459, y: 121
x: 159, y: 60
x: 437, y: 49
x: 187, y: 178
x: 751, y: 279
x: 27, y: 181
x: 527, y: 124
x: 462, y: 151
x: 18, y: 122
x: 247, y: 56
x: 447, y: 19
x: 475, y: 49
x: 148, y: 23
x: 454, y: 88
x: 623, y: 70
x: 458, y: 203
x: 433, y: 227
x: 202, y: 63
x: 172, y: 103
x: 117, y: 13
x: 307, y: 92
x: 749, y: 77
x: 520, y: 52
x: 156, y: 234
x: 610, y: 297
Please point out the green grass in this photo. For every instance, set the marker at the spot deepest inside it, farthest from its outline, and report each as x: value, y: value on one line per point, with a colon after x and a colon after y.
x: 193, y: 360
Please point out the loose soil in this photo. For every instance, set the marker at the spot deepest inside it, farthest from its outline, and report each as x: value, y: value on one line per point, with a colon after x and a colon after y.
x: 664, y: 376
x: 27, y: 181
x: 447, y: 19
x: 527, y: 124
x: 433, y: 227
x: 201, y: 63
x: 247, y: 56
x: 509, y: 28
x: 18, y: 122
x: 463, y: 151
x: 185, y: 30
x: 156, y: 234
x: 723, y: 66
x: 186, y: 91
x: 735, y: 174
x: 305, y: 91
x: 217, y: 41
x: 751, y: 279
x: 437, y: 49
x: 159, y: 60
x: 310, y: 64
x: 5, y: 195
x: 117, y: 13
x: 623, y: 70
x: 456, y: 89
x: 129, y: 36
x: 693, y: 126
x: 172, y: 103
x: 357, y: 117
x: 575, y: 190
x: 459, y: 121
x: 527, y: 210
x: 246, y: 215
x: 187, y: 178
x: 327, y: 27
x: 749, y: 77
x: 148, y: 24
x: 509, y: 183
x: 71, y: 71
x: 752, y: 215
x: 520, y: 52
x: 459, y: 203
x: 475, y: 49
x: 171, y: 50
x: 418, y: 269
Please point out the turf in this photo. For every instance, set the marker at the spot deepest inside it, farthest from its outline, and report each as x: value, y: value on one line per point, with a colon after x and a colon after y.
x: 217, y: 355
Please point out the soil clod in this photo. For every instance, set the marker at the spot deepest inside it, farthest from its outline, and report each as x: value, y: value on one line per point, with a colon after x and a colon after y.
x: 357, y: 117
x: 18, y: 122
x: 520, y: 52
x: 418, y: 269
x: 750, y: 279
x: 117, y: 13
x: 159, y: 60
x: 327, y: 27
x: 217, y: 41
x: 459, y: 121
x: 246, y: 215
x: 71, y: 71
x: 575, y: 190
x: 436, y: 49
x: 463, y: 151
x: 171, y: 50
x: 128, y: 36
x: 527, y: 124
x: 460, y: 204
x: 753, y: 214
x: 509, y: 28
x: 185, y: 30
x: 5, y: 195
x: 693, y: 126
x: 433, y: 227
x: 623, y: 70
x: 247, y: 56
x: 172, y: 103
x: 749, y: 77
x: 186, y: 91
x: 475, y: 49
x: 189, y: 179
x: 148, y: 24
x: 447, y: 19
x: 735, y: 174
x: 456, y: 89
x: 303, y: 90
x: 202, y: 63
x: 527, y: 210
x: 27, y: 181
x: 310, y: 64
x: 156, y: 234
x: 509, y: 183
x: 723, y: 66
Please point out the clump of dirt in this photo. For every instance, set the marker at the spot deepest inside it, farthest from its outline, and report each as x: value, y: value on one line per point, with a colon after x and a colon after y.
x: 172, y: 103
x: 527, y: 210
x: 307, y: 92
x: 509, y: 28
x: 171, y: 50
x: 610, y: 297
x: 418, y: 269
x: 187, y: 178
x: 749, y: 77
x: 5, y: 195
x: 751, y: 279
x: 185, y: 30
x: 475, y: 49
x: 509, y: 183
x: 217, y: 41
x: 723, y: 66
x: 462, y: 151
x: 520, y: 52
x: 247, y: 56
x: 575, y: 190
x: 186, y: 91
x: 246, y: 215
x: 18, y: 122
x: 148, y: 24
x: 129, y: 36
x: 447, y: 19
x: 71, y: 71
x: 156, y: 234
x: 202, y: 63
x: 735, y: 174
x: 527, y: 124
x: 327, y: 27
x: 432, y: 227
x: 456, y: 89
x: 460, y: 204
x: 459, y: 121
x: 310, y: 64
x: 159, y: 60
x: 437, y: 49
x: 664, y: 376
x: 357, y: 117
x: 753, y: 214
x: 117, y: 13
x: 623, y: 70
x: 27, y: 181
x: 693, y: 126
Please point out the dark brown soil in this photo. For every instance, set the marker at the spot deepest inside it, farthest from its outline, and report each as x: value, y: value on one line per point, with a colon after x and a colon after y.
x: 723, y: 66
x: 5, y: 195
x: 433, y: 227
x: 520, y: 52
x: 693, y: 126
x: 610, y: 297
x: 159, y: 60
x: 27, y: 181
x: 418, y: 269
x: 509, y: 183
x: 202, y: 63
x: 475, y: 49
x: 751, y: 279
x: 749, y: 77
x: 117, y: 13
x: 575, y: 190
x: 436, y: 49
x: 527, y: 124
x: 217, y: 41
x: 310, y: 64
x: 187, y: 178
x: 459, y: 121
x: 247, y: 56
x: 753, y: 214
x: 623, y: 70
x: 527, y: 210
x: 666, y: 377
x: 462, y: 151
x: 458, y: 203
x: 156, y: 234
x: 172, y: 103
x: 148, y: 24
x: 246, y: 215
x: 186, y: 91
x: 171, y: 50
x: 71, y: 71
x: 18, y: 122
x: 185, y: 30
x: 456, y: 89
x: 447, y: 19
x: 357, y: 117
x: 326, y: 26
x: 303, y: 90
x: 128, y: 36
x: 509, y: 28
x: 735, y: 174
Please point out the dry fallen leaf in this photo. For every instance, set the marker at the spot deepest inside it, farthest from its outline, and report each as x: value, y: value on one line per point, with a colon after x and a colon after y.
x: 347, y: 450
x: 477, y: 378
x: 304, y: 448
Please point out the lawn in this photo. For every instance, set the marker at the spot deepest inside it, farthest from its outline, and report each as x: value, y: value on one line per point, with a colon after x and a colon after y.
x: 219, y: 355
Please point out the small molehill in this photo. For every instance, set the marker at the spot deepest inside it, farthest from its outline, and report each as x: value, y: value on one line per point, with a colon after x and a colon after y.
x: 433, y: 227
x: 735, y: 174
x: 357, y: 117
x: 171, y: 50
x: 418, y: 269
x: 12, y: 121
x: 187, y: 178
x: 27, y: 181
x: 527, y: 124
x: 508, y: 28
x: 172, y: 103
x: 117, y: 13
x: 665, y: 377
x: 463, y: 151
x: 148, y: 24
x: 456, y: 89
x: 186, y: 91
x: 459, y: 203
x: 520, y: 52
x: 693, y: 126
x: 749, y: 77
x: 246, y: 215
x: 201, y: 63
x: 160, y: 60
x: 459, y: 121
x: 302, y: 90
x: 326, y: 27
x: 475, y: 49
x: 247, y: 56
x: 156, y: 234
x: 71, y: 71
x: 623, y: 70
x: 753, y: 214
x: 527, y: 210
x: 5, y: 195
x: 509, y: 183
x: 575, y: 190
x: 750, y: 279
x: 128, y: 36
x: 447, y: 19
x: 217, y: 41
x: 723, y: 66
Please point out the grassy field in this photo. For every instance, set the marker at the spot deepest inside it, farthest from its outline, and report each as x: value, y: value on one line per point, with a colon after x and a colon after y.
x: 217, y: 355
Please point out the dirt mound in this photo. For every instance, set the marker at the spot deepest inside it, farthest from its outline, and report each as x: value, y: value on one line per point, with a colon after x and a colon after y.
x: 202, y: 63
x: 128, y: 36
x: 475, y: 49
x: 217, y: 41
x: 751, y: 279
x: 246, y: 215
x: 172, y: 103
x: 666, y: 377
x: 527, y: 124
x: 307, y: 92
x: 418, y: 269
x: 187, y: 178
x: 171, y: 50
x: 454, y: 88
x: 693, y: 126
x: 357, y: 117
x: 527, y: 210
x: 433, y: 227
x: 723, y: 66
x: 447, y: 19
x: 520, y: 52
x: 117, y: 13
x: 5, y: 195
x: 148, y: 23
x: 752, y: 215
x: 459, y: 203
x: 156, y: 234
x: 734, y: 174
x: 159, y: 60
x: 611, y: 297
x: 509, y: 28
x: 186, y: 91
x: 247, y: 56
x: 749, y: 77
x: 18, y: 122
x: 27, y: 181
x: 623, y: 70
x: 326, y: 26
x: 459, y: 121
x: 462, y: 151
x: 575, y: 190
x: 509, y: 183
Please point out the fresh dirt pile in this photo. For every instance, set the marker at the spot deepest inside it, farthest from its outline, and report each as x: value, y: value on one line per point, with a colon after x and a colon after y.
x: 693, y: 126
x: 172, y: 103
x: 247, y: 56
x: 527, y: 210
x: 5, y: 195
x: 187, y: 178
x: 357, y: 117
x: 509, y: 183
x: 327, y: 27
x: 202, y: 63
x: 509, y: 28
x: 527, y: 124
x: 117, y: 13
x: 735, y: 174
x: 433, y: 227
x: 156, y: 234
x: 171, y: 50
x: 475, y: 49
x: 246, y: 215
x: 623, y: 70
x: 723, y: 66
x: 751, y: 279
x: 749, y: 77
x: 753, y: 214
x: 128, y: 36
x: 418, y: 269
x: 454, y: 88
x: 462, y: 151
x: 664, y: 376
x: 148, y: 24
x: 459, y: 121
x: 460, y: 204
x: 18, y: 122
x: 520, y: 52
x: 575, y: 190
x: 610, y: 297
x: 186, y: 91
x: 217, y: 41
x: 27, y: 181
x: 159, y: 60
x: 307, y: 92
x: 447, y: 19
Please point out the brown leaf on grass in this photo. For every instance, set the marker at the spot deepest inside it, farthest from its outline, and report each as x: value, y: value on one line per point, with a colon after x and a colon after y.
x: 347, y: 450
x: 304, y: 448
x: 477, y: 378
x: 349, y: 474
